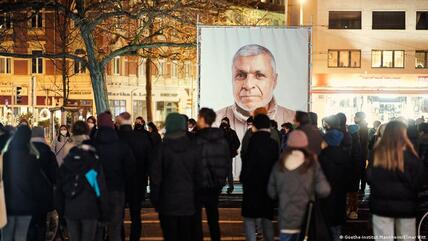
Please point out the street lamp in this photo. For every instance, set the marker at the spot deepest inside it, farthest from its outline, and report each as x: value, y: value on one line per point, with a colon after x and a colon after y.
x: 301, y: 11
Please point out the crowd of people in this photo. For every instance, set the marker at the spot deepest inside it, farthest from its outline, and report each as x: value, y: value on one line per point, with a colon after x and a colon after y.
x: 92, y: 172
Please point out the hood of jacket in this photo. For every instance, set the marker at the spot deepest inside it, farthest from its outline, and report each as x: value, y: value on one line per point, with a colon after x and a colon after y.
x: 333, y: 137
x: 294, y: 160
x: 352, y: 129
x: 76, y: 161
x: 211, y: 134
x: 106, y: 135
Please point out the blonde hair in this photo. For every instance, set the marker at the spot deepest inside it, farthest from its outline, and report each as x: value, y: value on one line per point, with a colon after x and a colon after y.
x: 388, y: 152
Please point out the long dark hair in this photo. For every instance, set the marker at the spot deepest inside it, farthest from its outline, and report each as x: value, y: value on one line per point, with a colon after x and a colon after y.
x: 310, y: 158
x: 153, y: 126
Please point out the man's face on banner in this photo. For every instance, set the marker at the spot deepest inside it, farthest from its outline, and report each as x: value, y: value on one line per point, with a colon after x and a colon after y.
x: 254, y: 80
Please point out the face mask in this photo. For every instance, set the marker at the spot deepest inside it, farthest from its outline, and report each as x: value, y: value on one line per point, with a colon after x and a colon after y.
x: 91, y: 125
x: 138, y: 126
x: 190, y: 129
x: 64, y: 133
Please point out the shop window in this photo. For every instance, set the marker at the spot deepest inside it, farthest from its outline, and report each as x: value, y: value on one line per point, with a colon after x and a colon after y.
x: 387, y: 58
x: 5, y: 65
x: 422, y: 20
x: 37, y: 20
x: 5, y: 21
x: 37, y: 63
x: 344, y: 20
x: 344, y: 58
x: 165, y: 108
x: 117, y: 106
x: 389, y: 20
x: 421, y: 59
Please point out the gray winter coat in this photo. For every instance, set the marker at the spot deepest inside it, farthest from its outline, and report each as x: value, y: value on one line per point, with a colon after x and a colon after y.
x: 294, y: 189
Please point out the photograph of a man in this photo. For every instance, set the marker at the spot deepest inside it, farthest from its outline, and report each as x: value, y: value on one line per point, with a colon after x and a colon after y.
x: 254, y: 79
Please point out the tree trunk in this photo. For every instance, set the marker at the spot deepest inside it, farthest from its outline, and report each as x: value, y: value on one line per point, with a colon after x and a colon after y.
x: 99, y: 88
x: 149, y: 89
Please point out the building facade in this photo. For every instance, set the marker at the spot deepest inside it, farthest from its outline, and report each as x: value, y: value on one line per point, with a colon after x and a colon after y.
x: 36, y: 85
x: 369, y: 56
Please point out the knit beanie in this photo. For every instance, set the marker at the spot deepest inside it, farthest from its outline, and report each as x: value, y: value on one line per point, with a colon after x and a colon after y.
x: 261, y: 121
x: 297, y: 139
x: 105, y: 120
x: 38, y: 132
x: 175, y: 122
x: 333, y: 137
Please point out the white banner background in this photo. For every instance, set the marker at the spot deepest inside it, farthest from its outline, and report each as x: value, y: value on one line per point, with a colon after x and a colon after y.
x: 289, y: 47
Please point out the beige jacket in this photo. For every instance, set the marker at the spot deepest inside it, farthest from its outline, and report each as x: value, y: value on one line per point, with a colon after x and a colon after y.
x: 238, y: 120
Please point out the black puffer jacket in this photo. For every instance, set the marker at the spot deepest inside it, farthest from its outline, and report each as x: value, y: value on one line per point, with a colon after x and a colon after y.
x: 262, y: 154
x: 393, y: 193
x: 48, y: 167
x: 215, y: 157
x: 116, y: 158
x: 141, y: 146
x: 336, y: 165
x: 175, y: 176
x: 75, y: 198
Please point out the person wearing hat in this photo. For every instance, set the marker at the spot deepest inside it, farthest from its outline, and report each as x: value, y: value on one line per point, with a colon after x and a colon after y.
x: 293, y: 181
x: 336, y: 165
x: 257, y: 206
x: 119, y: 165
x: 175, y: 176
x: 234, y: 144
x: 48, y: 167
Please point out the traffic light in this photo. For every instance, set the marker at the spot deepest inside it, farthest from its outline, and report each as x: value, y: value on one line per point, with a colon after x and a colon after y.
x: 18, y: 95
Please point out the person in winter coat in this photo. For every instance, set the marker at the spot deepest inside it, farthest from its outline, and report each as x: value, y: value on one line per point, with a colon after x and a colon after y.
x: 423, y: 142
x: 92, y: 124
x: 155, y: 137
x: 335, y: 164
x: 80, y: 133
x: 360, y: 120
x: 302, y: 122
x: 395, y: 178
x: 354, y: 174
x: 234, y: 144
x: 257, y: 206
x: 215, y: 159
x: 175, y: 179
x: 60, y: 142
x: 141, y: 147
x: 286, y: 128
x: 119, y: 165
x: 48, y: 167
x: 347, y: 139
x: 4, y: 136
x: 81, y: 192
x: 294, y: 180
x: 22, y: 181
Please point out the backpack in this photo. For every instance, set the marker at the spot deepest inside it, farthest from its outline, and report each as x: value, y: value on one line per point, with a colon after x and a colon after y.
x: 77, y: 181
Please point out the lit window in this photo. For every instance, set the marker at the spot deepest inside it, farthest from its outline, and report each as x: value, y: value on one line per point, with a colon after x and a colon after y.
x: 344, y: 58
x: 388, y: 58
x: 37, y: 63
x: 421, y: 59
x: 5, y: 65
x: 37, y: 20
x: 5, y: 21
x: 116, y: 66
x: 117, y: 106
x: 79, y: 67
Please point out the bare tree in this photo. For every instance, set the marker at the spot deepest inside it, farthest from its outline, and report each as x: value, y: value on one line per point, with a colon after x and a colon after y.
x: 111, y: 28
